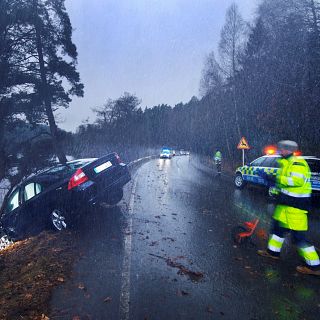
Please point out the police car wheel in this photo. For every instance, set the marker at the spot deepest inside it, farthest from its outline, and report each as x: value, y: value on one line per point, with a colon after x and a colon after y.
x: 238, y: 181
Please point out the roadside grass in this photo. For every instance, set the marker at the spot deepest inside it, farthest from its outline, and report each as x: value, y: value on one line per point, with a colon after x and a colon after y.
x: 29, y: 271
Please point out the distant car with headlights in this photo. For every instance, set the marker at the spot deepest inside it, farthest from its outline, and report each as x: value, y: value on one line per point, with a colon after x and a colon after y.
x: 165, y: 153
x: 56, y: 197
x: 248, y: 174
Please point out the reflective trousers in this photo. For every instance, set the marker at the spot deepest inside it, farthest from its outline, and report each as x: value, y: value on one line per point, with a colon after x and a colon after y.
x: 305, y: 249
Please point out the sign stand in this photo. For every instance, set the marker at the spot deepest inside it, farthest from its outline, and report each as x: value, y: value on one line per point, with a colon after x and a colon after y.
x: 243, y: 145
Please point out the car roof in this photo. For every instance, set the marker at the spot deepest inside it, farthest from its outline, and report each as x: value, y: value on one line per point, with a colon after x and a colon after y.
x: 43, y: 174
x: 278, y: 156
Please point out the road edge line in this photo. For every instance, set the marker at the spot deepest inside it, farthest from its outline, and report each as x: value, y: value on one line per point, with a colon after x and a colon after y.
x: 124, y: 309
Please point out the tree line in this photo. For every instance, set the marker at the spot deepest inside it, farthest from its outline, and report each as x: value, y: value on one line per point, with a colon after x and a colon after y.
x: 262, y: 83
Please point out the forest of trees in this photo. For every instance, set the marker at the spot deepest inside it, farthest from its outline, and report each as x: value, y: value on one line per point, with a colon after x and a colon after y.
x: 262, y: 82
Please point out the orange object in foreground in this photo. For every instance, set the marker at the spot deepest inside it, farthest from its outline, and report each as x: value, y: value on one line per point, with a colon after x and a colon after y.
x: 250, y: 227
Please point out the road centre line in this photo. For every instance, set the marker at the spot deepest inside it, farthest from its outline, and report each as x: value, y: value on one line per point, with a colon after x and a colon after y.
x: 124, y: 310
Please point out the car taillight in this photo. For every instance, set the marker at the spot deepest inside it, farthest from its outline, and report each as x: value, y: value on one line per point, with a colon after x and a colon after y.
x: 78, y: 178
x: 118, y: 158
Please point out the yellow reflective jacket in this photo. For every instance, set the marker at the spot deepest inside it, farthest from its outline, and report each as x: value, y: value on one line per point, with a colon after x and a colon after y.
x: 293, y: 181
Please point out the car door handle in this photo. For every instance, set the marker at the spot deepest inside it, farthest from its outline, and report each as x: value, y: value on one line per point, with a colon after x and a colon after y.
x: 60, y: 188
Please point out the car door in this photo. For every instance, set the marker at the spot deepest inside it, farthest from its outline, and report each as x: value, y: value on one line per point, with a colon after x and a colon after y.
x: 32, y: 220
x: 251, y: 174
x: 270, y: 166
x: 11, y: 213
x: 314, y: 165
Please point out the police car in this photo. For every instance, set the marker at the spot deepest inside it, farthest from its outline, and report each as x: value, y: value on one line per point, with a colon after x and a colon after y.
x: 165, y: 153
x: 269, y: 164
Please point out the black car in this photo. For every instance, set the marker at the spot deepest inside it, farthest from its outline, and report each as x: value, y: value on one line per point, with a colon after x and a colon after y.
x: 57, y: 196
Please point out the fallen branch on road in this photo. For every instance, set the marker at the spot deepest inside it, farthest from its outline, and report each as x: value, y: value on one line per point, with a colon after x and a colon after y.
x: 193, y: 275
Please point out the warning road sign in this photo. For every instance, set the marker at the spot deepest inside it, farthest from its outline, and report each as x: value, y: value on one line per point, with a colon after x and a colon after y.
x: 243, y: 144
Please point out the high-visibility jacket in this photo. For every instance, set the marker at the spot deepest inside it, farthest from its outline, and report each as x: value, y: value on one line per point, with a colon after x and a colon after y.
x: 218, y: 156
x: 293, y: 181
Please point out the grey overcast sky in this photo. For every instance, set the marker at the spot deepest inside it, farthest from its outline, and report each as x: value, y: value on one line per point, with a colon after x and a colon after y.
x: 152, y: 48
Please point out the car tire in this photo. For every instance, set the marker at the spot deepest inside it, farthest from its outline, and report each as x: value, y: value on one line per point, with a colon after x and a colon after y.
x: 114, y: 197
x: 238, y: 181
x: 58, y: 219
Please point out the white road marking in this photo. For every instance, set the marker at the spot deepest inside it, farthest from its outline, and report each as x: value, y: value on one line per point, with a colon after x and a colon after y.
x: 124, y: 311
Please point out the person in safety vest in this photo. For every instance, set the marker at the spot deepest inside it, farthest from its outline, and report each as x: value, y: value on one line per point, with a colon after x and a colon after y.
x: 218, y: 160
x: 293, y: 202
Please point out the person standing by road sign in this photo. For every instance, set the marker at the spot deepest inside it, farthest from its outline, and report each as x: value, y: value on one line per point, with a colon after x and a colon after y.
x: 218, y: 160
x: 290, y: 215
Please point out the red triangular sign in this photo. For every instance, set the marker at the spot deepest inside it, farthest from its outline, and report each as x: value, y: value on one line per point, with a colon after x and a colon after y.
x: 243, y: 144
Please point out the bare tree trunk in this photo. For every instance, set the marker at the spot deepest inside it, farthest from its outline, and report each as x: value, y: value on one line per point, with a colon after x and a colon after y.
x: 227, y: 139
x: 45, y: 94
x: 4, y: 112
x: 2, y: 147
x: 314, y: 18
x: 235, y: 105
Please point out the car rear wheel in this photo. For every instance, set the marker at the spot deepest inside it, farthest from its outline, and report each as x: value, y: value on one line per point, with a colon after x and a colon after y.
x: 238, y: 181
x: 114, y: 197
x: 58, y: 220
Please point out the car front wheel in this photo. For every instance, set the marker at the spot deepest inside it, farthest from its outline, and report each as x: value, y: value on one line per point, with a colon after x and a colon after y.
x: 58, y: 219
x: 5, y: 241
x: 238, y: 181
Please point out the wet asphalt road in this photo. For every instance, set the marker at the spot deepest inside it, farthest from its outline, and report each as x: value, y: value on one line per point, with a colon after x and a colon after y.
x: 165, y: 252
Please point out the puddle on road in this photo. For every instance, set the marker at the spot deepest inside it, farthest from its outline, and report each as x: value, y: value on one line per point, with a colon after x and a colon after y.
x: 304, y: 293
x: 251, y: 206
x: 287, y: 310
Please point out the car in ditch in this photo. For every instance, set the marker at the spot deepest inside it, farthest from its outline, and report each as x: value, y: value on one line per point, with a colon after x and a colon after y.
x: 248, y: 174
x: 56, y: 197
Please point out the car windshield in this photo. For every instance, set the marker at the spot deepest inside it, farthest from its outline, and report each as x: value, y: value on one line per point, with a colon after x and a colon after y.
x: 258, y: 162
x: 13, y: 201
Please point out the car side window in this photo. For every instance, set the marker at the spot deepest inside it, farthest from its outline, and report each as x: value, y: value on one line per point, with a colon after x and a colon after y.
x: 257, y: 162
x: 38, y: 188
x: 314, y: 165
x: 13, y: 202
x: 270, y: 162
x: 30, y: 190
